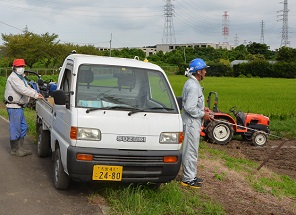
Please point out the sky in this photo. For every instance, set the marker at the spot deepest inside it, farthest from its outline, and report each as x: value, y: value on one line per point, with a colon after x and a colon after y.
x: 137, y: 23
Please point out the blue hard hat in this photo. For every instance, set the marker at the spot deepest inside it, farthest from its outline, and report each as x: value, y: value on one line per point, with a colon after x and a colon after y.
x: 197, y: 64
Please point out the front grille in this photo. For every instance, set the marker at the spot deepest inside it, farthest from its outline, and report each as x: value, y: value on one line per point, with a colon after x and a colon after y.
x: 128, y: 159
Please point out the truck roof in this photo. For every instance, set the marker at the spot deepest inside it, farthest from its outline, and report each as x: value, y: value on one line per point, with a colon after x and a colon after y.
x: 94, y: 59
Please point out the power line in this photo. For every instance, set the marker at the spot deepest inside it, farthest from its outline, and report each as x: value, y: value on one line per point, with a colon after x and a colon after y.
x: 11, y: 26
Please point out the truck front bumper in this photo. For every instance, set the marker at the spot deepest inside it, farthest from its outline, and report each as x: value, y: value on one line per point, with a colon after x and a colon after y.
x: 138, y: 166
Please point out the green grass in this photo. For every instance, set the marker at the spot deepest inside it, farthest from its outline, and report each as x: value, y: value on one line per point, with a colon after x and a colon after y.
x: 272, y: 97
x: 168, y: 199
x: 268, y: 96
x: 277, y: 186
x: 237, y: 164
x: 220, y: 176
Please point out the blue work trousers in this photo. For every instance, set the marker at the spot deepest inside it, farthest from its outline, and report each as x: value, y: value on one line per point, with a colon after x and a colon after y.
x: 18, y: 126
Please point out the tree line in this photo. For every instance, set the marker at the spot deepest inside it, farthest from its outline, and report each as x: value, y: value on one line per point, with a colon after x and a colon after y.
x: 46, y: 51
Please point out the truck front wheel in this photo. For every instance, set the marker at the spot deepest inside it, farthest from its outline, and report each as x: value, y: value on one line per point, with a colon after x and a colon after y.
x: 61, y: 179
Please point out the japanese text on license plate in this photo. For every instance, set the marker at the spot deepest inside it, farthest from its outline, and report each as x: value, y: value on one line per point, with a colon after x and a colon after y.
x: 107, y: 173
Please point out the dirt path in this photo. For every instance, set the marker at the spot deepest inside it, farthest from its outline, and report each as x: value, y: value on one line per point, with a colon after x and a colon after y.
x: 234, y: 193
x: 26, y: 185
x: 283, y: 162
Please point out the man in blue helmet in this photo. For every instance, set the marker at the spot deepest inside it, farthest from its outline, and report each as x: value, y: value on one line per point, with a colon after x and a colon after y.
x: 194, y: 112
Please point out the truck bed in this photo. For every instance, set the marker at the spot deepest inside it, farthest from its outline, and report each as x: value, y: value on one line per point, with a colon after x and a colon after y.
x: 44, y: 110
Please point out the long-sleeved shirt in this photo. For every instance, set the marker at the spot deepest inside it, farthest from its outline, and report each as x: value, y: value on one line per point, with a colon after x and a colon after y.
x: 192, y: 100
x: 17, y: 91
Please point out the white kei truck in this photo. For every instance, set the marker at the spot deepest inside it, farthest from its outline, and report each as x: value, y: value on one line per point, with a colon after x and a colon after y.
x: 110, y: 119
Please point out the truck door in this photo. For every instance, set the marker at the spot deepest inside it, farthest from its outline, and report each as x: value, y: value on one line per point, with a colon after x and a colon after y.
x: 62, y: 113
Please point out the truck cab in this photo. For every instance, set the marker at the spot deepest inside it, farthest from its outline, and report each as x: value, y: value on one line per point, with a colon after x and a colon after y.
x: 113, y: 119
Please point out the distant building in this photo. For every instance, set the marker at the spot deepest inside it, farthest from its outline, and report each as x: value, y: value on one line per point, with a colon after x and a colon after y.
x: 235, y: 62
x: 151, y: 50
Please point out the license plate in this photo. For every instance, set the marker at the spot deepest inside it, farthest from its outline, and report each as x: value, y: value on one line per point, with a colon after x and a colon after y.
x: 107, y: 173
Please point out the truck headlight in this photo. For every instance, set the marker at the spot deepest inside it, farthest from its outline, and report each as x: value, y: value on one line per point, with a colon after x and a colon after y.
x: 169, y: 137
x: 88, y: 134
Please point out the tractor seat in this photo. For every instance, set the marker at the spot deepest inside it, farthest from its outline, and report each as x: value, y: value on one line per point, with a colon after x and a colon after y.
x: 240, y: 118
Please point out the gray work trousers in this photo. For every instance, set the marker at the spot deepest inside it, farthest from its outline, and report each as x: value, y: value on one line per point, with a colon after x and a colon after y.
x: 190, y: 147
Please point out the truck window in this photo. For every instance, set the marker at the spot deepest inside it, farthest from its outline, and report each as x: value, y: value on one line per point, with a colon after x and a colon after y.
x: 159, y: 90
x: 66, y: 84
x: 104, y: 86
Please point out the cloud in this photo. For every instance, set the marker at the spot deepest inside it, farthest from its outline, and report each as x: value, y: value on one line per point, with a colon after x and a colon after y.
x: 136, y: 23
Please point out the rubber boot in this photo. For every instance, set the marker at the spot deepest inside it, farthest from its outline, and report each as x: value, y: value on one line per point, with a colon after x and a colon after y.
x: 21, y: 142
x: 14, y: 144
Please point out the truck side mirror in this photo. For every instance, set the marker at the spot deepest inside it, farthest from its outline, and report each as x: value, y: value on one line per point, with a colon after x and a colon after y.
x: 59, y: 97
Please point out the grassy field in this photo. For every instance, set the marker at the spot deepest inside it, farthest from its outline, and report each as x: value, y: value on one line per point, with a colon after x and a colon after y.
x: 275, y: 98
x: 272, y: 97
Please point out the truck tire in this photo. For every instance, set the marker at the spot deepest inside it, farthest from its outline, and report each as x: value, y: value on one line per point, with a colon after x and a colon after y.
x: 37, y: 126
x: 219, y: 132
x: 259, y: 138
x: 43, y: 143
x: 61, y: 179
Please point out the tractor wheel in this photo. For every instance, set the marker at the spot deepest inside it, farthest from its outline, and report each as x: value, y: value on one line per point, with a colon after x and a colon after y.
x: 220, y: 132
x: 259, y: 138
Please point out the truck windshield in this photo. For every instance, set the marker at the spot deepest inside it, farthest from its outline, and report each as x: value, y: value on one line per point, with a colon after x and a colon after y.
x: 124, y: 88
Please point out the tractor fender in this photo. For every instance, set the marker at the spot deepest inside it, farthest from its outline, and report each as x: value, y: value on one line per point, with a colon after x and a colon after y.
x: 226, y: 117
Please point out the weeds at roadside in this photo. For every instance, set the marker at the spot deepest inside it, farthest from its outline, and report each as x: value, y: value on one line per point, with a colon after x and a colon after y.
x: 170, y: 198
x: 220, y: 176
x: 276, y: 185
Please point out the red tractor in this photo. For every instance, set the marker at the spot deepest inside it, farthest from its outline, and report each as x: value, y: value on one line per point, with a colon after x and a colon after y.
x: 252, y: 127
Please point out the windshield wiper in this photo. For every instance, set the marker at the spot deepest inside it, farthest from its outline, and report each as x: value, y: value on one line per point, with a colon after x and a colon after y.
x: 117, y: 107
x: 137, y: 110
x: 160, y: 108
x: 92, y: 109
x: 132, y: 110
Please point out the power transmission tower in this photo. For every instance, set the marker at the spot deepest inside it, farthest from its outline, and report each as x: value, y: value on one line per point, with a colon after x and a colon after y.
x: 225, y: 26
x: 262, y: 32
x: 168, y: 30
x: 285, y: 29
x: 26, y: 29
x: 236, y: 40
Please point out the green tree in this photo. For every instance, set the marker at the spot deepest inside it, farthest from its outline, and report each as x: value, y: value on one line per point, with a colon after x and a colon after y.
x: 286, y: 54
x: 241, y: 52
x: 156, y: 58
x: 262, y: 49
x: 32, y: 47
